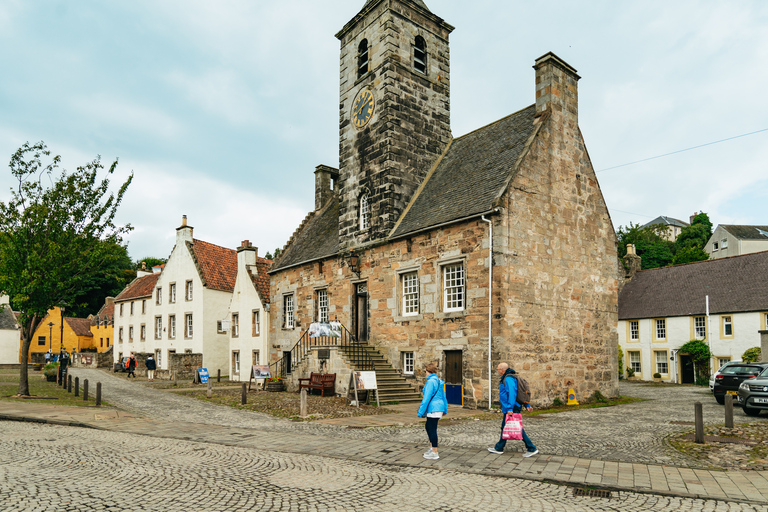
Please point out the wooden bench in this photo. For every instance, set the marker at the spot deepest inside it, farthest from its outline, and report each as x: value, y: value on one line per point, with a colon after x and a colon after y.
x: 323, y: 382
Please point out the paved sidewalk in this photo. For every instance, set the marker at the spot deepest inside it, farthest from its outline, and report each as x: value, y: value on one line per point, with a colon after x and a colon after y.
x: 745, y: 486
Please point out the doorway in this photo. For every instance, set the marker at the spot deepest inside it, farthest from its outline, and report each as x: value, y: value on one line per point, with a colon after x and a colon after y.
x: 686, y: 370
x: 361, y: 311
x: 453, y: 366
x: 286, y: 362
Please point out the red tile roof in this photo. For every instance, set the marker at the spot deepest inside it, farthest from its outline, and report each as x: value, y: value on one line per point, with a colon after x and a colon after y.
x: 81, y: 326
x: 138, y: 288
x: 217, y: 265
x: 260, y: 278
x: 107, y: 312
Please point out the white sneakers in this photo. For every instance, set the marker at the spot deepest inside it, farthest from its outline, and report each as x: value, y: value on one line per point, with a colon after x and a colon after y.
x: 492, y: 449
x: 431, y: 455
x: 531, y: 454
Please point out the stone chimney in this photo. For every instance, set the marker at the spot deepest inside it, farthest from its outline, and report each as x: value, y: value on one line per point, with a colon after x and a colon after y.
x: 325, y: 184
x: 631, y: 261
x: 557, y: 91
x: 109, y: 300
x: 246, y: 255
x: 183, y: 232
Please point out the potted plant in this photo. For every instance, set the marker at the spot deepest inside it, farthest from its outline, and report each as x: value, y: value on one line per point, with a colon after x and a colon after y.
x: 275, y: 384
x: 50, y: 371
x: 657, y: 377
x: 630, y: 374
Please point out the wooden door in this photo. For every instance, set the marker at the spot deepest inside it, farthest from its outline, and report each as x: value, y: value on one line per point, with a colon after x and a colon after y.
x: 361, y: 312
x: 453, y: 366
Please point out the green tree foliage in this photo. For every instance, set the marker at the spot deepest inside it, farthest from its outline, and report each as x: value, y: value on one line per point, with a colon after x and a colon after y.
x: 751, y: 355
x: 150, y: 262
x: 699, y: 352
x: 654, y: 250
x: 274, y: 256
x: 689, y: 246
x: 57, y: 236
x: 117, y: 272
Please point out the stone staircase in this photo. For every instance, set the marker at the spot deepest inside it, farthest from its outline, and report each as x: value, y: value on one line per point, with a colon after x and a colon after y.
x: 393, y: 387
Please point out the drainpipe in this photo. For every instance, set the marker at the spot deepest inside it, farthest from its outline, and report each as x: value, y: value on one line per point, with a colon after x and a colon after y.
x: 709, y: 336
x: 490, y: 305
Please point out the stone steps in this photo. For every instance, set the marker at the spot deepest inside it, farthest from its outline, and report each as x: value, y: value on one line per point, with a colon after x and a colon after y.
x: 393, y: 387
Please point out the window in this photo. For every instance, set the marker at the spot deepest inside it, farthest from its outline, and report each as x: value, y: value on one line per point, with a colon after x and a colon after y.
x: 453, y: 287
x: 700, y: 327
x: 120, y: 335
x: 408, y: 363
x: 322, y: 306
x: 159, y: 357
x: 143, y: 332
x: 255, y: 357
x: 727, y: 326
x: 188, y: 291
x: 143, y: 306
x: 634, y: 330
x: 159, y: 299
x: 121, y: 309
x: 171, y: 327
x: 255, y: 324
x: 235, y: 325
x: 131, y: 307
x: 171, y: 293
x: 721, y: 361
x: 661, y: 361
x: 365, y: 213
x: 158, y: 327
x: 101, y: 341
x: 724, y: 243
x: 236, y: 362
x: 130, y: 334
x: 715, y: 246
x: 362, y: 58
x: 288, y: 312
x: 661, y: 329
x: 410, y: 293
x: 41, y: 340
x: 107, y: 342
x: 634, y: 361
x: 188, y: 325
x: 420, y: 55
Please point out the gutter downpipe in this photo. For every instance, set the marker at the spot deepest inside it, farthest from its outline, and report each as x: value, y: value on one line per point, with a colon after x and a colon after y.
x: 709, y: 338
x: 490, y: 306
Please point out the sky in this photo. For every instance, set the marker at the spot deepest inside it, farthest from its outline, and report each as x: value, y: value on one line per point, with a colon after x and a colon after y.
x: 223, y: 109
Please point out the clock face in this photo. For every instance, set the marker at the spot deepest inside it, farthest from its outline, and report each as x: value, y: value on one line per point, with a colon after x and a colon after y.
x: 362, y: 108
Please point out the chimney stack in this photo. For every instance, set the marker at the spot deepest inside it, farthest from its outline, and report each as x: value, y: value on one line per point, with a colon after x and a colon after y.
x: 246, y: 255
x: 325, y: 184
x: 183, y: 232
x: 631, y: 261
x: 557, y: 90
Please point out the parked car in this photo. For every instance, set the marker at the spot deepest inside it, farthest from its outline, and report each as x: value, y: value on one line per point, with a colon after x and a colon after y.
x: 120, y: 365
x: 729, y: 378
x: 753, y: 394
x: 712, y: 377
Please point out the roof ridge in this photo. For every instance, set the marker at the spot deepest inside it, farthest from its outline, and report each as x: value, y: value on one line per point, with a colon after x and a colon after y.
x: 494, y: 122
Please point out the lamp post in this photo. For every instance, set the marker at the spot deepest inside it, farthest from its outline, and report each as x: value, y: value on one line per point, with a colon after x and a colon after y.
x: 61, y: 340
x: 50, y: 335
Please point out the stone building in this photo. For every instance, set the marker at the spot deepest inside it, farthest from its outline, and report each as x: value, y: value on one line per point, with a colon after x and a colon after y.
x: 493, y: 246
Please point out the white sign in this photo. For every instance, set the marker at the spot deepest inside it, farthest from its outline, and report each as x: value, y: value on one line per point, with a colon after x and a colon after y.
x: 365, y: 380
x: 261, y: 371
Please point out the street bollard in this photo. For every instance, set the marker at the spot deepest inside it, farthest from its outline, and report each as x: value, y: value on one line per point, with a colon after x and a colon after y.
x: 98, y: 394
x: 728, y: 411
x: 210, y: 388
x: 77, y: 386
x: 85, y: 390
x: 303, y: 403
x: 218, y: 375
x: 244, y: 398
x: 69, y: 383
x: 699, y: 420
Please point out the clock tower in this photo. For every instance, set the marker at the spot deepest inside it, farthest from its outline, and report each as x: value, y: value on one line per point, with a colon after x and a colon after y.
x: 394, y: 117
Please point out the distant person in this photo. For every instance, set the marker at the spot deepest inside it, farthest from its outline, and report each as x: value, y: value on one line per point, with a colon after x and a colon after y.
x: 48, y: 356
x: 63, y: 363
x: 509, y: 403
x: 131, y: 365
x: 434, y: 405
x: 151, y: 367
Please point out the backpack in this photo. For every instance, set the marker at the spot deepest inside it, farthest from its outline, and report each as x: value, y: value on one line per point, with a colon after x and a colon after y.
x: 523, y: 391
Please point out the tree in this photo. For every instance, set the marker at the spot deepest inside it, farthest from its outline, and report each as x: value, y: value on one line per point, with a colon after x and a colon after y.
x: 273, y: 256
x: 57, y: 236
x: 700, y: 354
x: 150, y: 262
x: 654, y: 250
x: 689, y: 245
x: 116, y: 273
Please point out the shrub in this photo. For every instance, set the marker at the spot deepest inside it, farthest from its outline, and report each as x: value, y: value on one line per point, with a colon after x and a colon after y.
x: 557, y: 402
x: 621, y: 364
x: 699, y: 352
x: 598, y: 397
x: 751, y: 355
x: 630, y: 372
x: 51, y: 369
x: 657, y: 375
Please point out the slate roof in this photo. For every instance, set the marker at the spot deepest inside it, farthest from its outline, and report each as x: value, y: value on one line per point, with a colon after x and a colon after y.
x: 747, y: 232
x: 217, y: 265
x: 471, y: 175
x: 81, y: 326
x: 260, y: 279
x: 666, y: 221
x: 734, y: 285
x: 107, y: 312
x: 138, y: 288
x: 8, y: 318
x: 318, y: 238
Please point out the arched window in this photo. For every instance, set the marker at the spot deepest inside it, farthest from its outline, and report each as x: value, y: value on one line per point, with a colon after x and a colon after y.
x: 362, y: 58
x: 420, y: 55
x: 365, y: 212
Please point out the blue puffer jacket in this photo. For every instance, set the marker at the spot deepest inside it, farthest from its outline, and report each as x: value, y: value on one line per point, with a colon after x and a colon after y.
x: 508, y: 393
x: 433, y: 388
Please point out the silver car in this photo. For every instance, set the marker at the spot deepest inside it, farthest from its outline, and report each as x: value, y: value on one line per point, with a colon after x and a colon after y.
x: 753, y: 394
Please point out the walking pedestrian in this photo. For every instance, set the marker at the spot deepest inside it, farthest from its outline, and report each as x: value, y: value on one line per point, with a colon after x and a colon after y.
x: 434, y: 405
x: 151, y: 367
x: 509, y: 403
x: 131, y: 365
x: 48, y: 356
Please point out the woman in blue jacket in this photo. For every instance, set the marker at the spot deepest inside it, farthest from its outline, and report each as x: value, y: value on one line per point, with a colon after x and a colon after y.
x: 433, y: 405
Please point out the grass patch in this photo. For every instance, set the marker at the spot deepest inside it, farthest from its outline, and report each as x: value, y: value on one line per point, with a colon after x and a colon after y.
x: 39, y: 386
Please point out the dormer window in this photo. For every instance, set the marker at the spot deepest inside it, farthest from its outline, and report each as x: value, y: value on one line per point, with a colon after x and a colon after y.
x: 365, y: 213
x: 420, y: 55
x: 362, y: 58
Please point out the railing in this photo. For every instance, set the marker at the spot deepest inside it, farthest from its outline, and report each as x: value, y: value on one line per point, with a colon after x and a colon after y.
x: 355, y: 352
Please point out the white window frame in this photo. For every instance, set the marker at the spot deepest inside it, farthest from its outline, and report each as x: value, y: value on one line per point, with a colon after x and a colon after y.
x: 715, y: 246
x: 722, y: 361
x: 143, y: 306
x: 661, y: 364
x: 159, y: 298
x: 236, y: 362
x: 172, y: 293
x: 120, y: 335
x: 727, y: 324
x: 660, y: 328
x: 235, y: 325
x: 143, y: 332
x: 288, y: 311
x: 188, y: 291
x: 408, y: 363
x: 634, y: 330
x: 635, y: 363
x: 130, y: 334
x: 131, y: 308
x: 454, y: 286
x: 188, y: 325
x: 158, y: 327
x: 171, y: 327
x: 700, y: 327
x: 255, y: 322
x: 121, y: 310
x: 365, y: 212
x: 724, y: 243
x: 409, y: 287
x: 322, y: 306
x: 159, y: 357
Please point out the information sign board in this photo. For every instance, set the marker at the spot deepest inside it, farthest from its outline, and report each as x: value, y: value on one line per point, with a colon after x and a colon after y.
x: 202, y: 373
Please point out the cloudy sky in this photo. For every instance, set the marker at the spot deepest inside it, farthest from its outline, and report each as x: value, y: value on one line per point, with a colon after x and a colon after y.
x: 223, y: 109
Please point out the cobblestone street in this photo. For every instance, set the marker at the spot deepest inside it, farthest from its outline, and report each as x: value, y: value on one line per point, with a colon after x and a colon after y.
x: 55, y: 468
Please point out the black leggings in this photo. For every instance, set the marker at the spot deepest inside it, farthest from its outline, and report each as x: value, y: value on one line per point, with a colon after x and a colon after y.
x: 431, y: 428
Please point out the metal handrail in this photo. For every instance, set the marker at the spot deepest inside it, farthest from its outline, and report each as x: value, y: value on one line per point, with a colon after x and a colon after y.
x: 355, y: 351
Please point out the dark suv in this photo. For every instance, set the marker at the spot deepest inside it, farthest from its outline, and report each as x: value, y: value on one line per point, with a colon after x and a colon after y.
x: 753, y: 394
x: 728, y: 379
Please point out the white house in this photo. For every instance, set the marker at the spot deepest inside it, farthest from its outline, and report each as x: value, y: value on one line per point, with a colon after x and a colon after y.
x: 674, y: 226
x: 249, y: 313
x: 10, y: 336
x: 731, y: 240
x: 723, y: 302
x: 132, y: 317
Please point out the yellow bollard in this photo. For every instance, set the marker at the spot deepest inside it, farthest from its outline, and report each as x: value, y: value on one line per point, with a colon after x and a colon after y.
x: 572, y: 397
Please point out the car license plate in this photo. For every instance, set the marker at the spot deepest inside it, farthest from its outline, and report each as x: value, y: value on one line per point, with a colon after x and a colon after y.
x: 761, y: 400
x: 732, y: 392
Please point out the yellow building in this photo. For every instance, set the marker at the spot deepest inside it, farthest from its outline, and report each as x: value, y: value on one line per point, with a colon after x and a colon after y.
x: 74, y: 335
x: 103, y: 326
